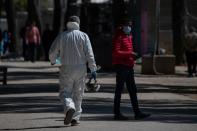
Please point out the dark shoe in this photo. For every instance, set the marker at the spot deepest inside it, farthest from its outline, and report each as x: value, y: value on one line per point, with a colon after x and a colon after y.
x: 75, y: 122
x: 120, y: 117
x: 142, y: 116
x: 69, y: 116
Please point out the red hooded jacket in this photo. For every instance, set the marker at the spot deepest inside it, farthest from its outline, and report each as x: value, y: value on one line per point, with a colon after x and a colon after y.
x: 122, y: 49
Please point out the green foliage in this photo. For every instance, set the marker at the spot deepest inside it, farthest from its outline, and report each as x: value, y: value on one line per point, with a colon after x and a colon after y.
x: 20, y: 5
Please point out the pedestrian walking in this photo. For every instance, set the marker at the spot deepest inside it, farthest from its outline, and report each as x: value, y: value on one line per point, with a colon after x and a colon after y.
x: 75, y: 50
x: 123, y: 58
x: 191, y: 51
x: 32, y: 37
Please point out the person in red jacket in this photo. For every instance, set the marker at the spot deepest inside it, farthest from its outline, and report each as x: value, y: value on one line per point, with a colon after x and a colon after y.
x: 123, y: 57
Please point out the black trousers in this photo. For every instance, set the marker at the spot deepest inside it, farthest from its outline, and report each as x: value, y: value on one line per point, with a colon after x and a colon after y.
x: 125, y: 74
x: 32, y: 52
x: 191, y: 58
x: 25, y: 50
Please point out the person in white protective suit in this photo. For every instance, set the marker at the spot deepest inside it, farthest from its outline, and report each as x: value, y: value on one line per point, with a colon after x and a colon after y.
x: 75, y: 51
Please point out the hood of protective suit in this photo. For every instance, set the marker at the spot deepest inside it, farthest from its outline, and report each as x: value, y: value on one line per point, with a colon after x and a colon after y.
x: 72, y: 26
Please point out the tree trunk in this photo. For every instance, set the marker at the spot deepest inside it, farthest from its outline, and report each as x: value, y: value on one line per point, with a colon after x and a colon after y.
x: 84, y: 16
x: 1, y: 4
x: 134, y: 13
x: 9, y: 7
x: 73, y: 8
x: 118, y: 11
x: 34, y: 12
x: 57, y: 16
x: 178, y: 21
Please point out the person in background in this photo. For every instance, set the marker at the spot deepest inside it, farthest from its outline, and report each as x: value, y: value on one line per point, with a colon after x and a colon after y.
x: 191, y: 51
x: 32, y: 37
x: 75, y: 50
x: 123, y: 58
x: 6, y: 41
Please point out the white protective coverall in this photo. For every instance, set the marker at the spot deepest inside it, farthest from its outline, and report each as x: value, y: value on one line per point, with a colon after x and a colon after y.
x: 75, y: 50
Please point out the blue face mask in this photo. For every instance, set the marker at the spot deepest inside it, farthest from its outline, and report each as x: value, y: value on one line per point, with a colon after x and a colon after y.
x: 127, y: 30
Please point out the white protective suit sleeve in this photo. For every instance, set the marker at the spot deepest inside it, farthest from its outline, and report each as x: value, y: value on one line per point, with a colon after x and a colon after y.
x: 54, y: 50
x: 90, y: 55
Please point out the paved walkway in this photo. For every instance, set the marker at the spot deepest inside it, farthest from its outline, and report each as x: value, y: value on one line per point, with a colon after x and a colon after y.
x: 30, y: 102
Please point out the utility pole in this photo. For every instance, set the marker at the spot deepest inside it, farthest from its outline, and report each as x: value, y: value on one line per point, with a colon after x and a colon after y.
x: 178, y: 21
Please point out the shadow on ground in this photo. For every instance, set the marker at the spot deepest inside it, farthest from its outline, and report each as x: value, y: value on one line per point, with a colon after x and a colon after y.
x: 100, y: 109
x: 15, y: 99
x: 34, y: 128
